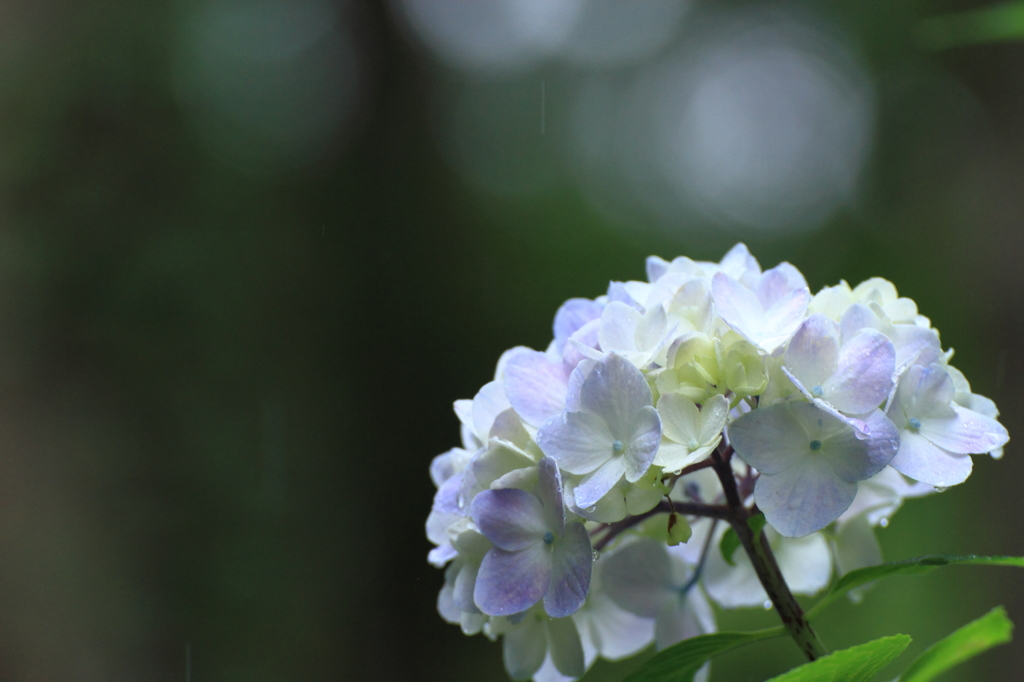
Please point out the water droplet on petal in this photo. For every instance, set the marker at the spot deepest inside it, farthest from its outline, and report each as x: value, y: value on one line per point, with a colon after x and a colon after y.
x: 941, y: 488
x: 817, y: 391
x: 767, y: 604
x: 597, y: 555
x: 883, y: 522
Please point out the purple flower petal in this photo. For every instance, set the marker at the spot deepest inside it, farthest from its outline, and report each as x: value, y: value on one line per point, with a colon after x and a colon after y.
x: 511, y: 582
x: 864, y: 376
x: 549, y: 491
x: 512, y: 519
x: 573, y: 314
x: 857, y: 457
x: 572, y: 560
x: 536, y: 386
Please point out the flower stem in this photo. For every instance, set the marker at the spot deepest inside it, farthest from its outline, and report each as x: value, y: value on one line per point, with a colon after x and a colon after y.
x: 767, y: 569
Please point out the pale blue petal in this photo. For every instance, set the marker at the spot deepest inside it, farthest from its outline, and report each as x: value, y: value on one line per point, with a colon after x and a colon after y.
x: 856, y: 457
x: 525, y: 648
x: 510, y: 518
x: 441, y: 555
x: 813, y: 352
x: 511, y: 582
x: 565, y: 647
x: 583, y: 344
x: 643, y: 443
x: 549, y: 491
x: 615, y: 390
x: 571, y: 563
x: 573, y: 314
x: 576, y: 379
x: 916, y: 345
x: 864, y: 375
x: 926, y: 391
x: 923, y: 461
x: 968, y: 432
x: 536, y: 386
x: 782, y: 319
x: 804, y: 498
x: 488, y: 403
x: 638, y: 577
x: 579, y: 441
x: 778, y: 283
x: 656, y: 267
x: 596, y: 485
x: 487, y: 466
x: 770, y: 438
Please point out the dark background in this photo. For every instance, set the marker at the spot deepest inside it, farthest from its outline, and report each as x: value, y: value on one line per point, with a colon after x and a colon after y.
x: 229, y: 345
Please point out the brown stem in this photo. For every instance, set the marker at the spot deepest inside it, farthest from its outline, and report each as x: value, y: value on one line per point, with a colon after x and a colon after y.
x: 765, y: 566
x: 713, y: 511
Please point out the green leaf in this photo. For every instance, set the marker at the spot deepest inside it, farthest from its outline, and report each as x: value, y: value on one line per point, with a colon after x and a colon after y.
x: 728, y: 545
x: 976, y: 637
x: 857, y: 664
x: 985, y: 25
x: 680, y: 662
x: 924, y: 564
x: 730, y: 541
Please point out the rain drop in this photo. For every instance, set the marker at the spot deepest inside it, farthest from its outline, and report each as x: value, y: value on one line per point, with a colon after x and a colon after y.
x: 597, y: 555
x: 883, y: 522
x: 767, y: 604
x: 941, y: 488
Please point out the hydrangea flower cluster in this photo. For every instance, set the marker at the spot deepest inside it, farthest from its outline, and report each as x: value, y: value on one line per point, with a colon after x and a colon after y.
x: 570, y: 521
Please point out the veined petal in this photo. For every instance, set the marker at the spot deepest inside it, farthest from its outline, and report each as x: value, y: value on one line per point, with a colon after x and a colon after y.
x: 615, y: 390
x: 713, y: 415
x: 772, y: 438
x: 813, y: 353
x: 512, y: 519
x: 596, y: 485
x: 572, y: 560
x: 923, y: 461
x: 680, y: 418
x: 536, y: 386
x: 782, y: 320
x: 565, y: 647
x: 864, y: 375
x: 643, y: 443
x: 804, y: 498
x: 511, y: 582
x: 856, y: 457
x: 736, y: 304
x: 579, y: 441
x: 968, y: 432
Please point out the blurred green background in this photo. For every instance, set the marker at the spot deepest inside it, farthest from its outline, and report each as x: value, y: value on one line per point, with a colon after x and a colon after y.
x: 252, y: 250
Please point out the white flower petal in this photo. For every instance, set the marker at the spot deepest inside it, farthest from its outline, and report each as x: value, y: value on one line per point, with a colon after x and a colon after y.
x: 616, y: 391
x: 680, y: 418
x: 565, y: 648
x: 525, y: 647
x: 864, y: 375
x: 813, y: 353
x: 579, y: 441
x: 770, y: 439
x: 638, y: 577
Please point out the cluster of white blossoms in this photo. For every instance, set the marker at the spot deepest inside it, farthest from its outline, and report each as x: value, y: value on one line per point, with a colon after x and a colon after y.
x: 837, y: 406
